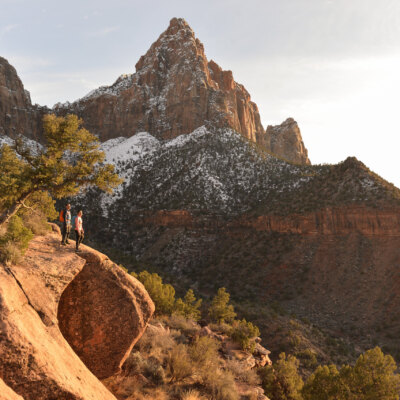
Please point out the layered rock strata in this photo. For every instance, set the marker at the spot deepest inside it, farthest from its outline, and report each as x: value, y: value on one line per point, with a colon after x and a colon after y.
x: 175, y: 90
x: 328, y: 221
x: 17, y: 114
x: 36, y: 360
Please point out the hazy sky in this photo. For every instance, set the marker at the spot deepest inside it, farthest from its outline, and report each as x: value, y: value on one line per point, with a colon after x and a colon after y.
x: 333, y: 65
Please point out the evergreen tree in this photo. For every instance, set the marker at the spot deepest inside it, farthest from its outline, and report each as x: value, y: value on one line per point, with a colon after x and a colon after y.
x: 70, y: 160
x: 163, y: 295
x: 189, y: 307
x: 220, y: 309
x: 282, y: 380
x: 325, y: 383
x: 372, y: 377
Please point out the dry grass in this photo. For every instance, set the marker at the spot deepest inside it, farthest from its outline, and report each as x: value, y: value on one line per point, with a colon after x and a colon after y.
x: 220, y: 384
x: 191, y: 394
x: 179, y: 364
x: 37, y: 223
x: 10, y: 253
x: 248, y: 376
x: 186, y: 326
x: 156, y: 342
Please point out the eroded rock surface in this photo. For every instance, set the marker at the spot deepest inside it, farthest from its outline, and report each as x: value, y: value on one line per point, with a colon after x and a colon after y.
x: 102, y: 313
x: 175, y: 90
x: 17, y: 114
x: 36, y: 360
x: 285, y: 141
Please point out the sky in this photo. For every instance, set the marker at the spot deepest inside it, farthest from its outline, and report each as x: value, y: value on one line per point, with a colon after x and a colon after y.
x: 332, y: 65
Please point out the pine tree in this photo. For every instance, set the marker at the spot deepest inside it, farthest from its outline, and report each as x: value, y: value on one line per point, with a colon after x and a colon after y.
x: 189, y: 307
x: 220, y: 309
x: 70, y: 160
x: 282, y: 380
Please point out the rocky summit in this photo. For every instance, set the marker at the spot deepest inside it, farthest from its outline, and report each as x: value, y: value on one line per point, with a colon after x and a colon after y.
x: 174, y: 91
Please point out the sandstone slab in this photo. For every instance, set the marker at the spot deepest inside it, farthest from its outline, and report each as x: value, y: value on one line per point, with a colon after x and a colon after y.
x: 36, y: 360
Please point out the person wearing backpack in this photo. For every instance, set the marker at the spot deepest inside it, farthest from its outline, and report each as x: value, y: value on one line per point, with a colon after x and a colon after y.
x: 65, y: 218
x: 79, y: 233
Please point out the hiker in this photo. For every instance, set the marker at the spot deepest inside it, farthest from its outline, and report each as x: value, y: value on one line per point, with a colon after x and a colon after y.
x: 79, y: 234
x: 65, y: 217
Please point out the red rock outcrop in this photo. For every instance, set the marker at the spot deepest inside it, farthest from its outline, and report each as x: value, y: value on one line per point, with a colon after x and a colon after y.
x: 36, y: 360
x: 328, y: 221
x: 285, y: 141
x: 175, y: 90
x: 332, y: 221
x: 17, y: 115
x: 6, y: 393
x: 100, y: 301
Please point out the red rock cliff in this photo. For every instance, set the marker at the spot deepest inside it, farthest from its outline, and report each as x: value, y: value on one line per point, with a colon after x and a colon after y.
x: 175, y: 90
x: 54, y: 302
x: 285, y: 141
x: 17, y: 115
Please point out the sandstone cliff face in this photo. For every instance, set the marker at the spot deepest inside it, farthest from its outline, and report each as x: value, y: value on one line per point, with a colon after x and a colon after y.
x: 17, y: 115
x: 175, y: 90
x: 36, y: 300
x: 285, y: 141
x: 329, y: 221
x: 6, y: 393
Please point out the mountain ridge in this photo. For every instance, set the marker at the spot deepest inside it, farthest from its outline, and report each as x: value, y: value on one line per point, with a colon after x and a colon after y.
x: 174, y: 91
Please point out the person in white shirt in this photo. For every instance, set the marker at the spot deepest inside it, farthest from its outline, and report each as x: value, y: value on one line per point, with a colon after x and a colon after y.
x: 79, y: 233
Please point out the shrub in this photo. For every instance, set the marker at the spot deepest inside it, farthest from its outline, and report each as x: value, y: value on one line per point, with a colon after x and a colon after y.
x: 191, y: 394
x: 154, y: 371
x: 244, y: 333
x: 204, y: 352
x: 179, y: 322
x: 324, y: 383
x: 10, y: 253
x: 156, y: 343
x: 133, y: 364
x: 220, y: 384
x: 241, y: 374
x: 15, y: 241
x: 17, y: 233
x: 373, y: 377
x: 179, y: 365
x: 220, y: 309
x: 37, y: 223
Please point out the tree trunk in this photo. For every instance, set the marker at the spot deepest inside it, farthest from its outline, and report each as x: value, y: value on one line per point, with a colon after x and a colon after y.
x: 10, y: 212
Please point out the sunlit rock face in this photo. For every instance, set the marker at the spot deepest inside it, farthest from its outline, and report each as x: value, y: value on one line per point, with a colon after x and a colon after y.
x: 175, y: 90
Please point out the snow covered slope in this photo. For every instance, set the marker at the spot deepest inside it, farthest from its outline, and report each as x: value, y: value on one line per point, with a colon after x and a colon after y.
x: 219, y: 171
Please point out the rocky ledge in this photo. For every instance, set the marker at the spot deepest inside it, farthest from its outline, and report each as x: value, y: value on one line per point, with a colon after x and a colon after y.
x: 67, y: 320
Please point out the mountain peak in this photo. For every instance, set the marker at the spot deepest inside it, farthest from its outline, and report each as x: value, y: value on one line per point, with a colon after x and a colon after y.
x: 178, y: 38
x: 174, y: 91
